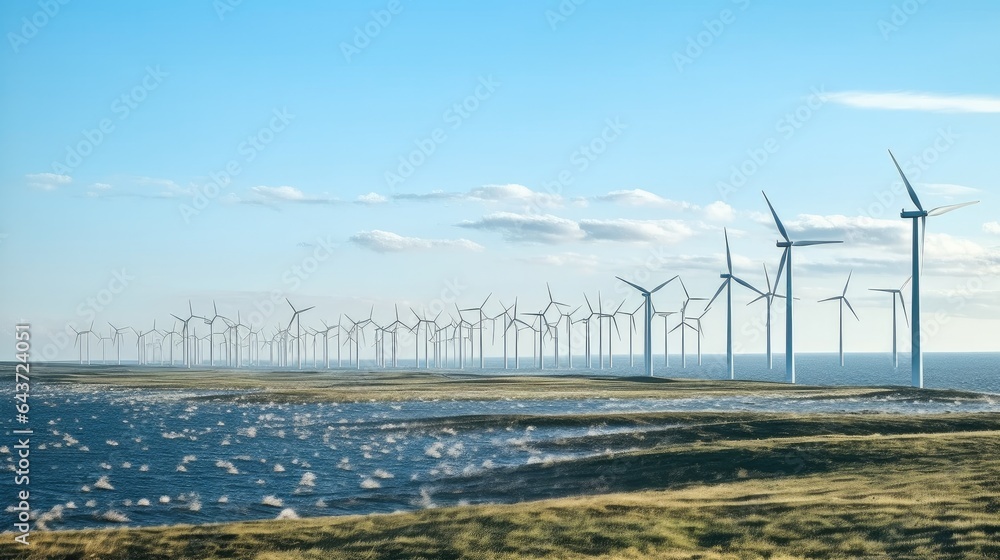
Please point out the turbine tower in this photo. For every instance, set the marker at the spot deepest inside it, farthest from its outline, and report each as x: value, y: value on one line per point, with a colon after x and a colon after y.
x: 786, y: 262
x: 898, y: 292
x: 769, y: 299
x: 296, y: 318
x: 647, y: 338
x: 687, y: 299
x: 919, y: 232
x: 727, y: 283
x: 843, y: 299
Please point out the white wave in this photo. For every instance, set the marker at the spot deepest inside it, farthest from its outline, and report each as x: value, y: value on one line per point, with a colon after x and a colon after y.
x: 164, y: 499
x: 250, y: 432
x: 144, y: 502
x: 144, y: 468
x: 91, y: 503
x: 271, y: 500
x: 223, y: 499
x: 382, y: 473
x: 278, y: 468
x: 370, y: 484
x: 434, y: 450
x: 71, y: 505
x: 308, y: 479
x: 114, y: 516
x: 126, y: 465
x: 287, y: 513
x: 112, y: 443
x: 456, y: 450
x: 189, y: 459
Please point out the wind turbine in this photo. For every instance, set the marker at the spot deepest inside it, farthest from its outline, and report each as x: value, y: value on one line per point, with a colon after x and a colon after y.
x: 296, y: 317
x: 698, y: 330
x: 648, y: 323
x: 894, y: 293
x: 211, y: 333
x: 786, y: 263
x: 553, y: 303
x: 185, y: 334
x: 687, y: 299
x: 919, y: 230
x: 117, y: 340
x: 666, y: 332
x: 768, y: 299
x: 86, y: 334
x: 480, y: 310
x: 727, y: 284
x: 843, y: 299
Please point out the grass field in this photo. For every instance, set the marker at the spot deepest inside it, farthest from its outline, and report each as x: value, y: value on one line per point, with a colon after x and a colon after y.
x: 722, y: 485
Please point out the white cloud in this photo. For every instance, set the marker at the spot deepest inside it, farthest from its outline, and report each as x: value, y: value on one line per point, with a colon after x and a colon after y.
x: 849, y: 229
x: 992, y: 227
x: 47, y: 181
x: 639, y: 197
x: 719, y: 211
x: 101, y: 186
x: 372, y: 198
x: 513, y: 193
x: 947, y: 190
x: 563, y: 260
x: 916, y: 101
x: 660, y: 231
x: 540, y: 228
x: 288, y: 194
x: 388, y: 242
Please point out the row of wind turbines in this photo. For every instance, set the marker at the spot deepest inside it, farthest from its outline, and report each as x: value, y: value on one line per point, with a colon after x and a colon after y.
x: 452, y: 342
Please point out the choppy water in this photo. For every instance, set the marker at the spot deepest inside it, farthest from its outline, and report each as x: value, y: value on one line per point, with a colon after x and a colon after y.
x: 105, y: 456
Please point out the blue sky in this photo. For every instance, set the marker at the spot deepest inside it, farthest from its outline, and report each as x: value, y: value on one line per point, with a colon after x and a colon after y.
x: 571, y: 142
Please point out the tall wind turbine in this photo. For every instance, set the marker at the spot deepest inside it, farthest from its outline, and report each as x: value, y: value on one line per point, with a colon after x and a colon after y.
x: 211, y: 333
x: 296, y: 317
x: 666, y: 333
x: 894, y: 293
x: 647, y: 338
x: 786, y: 262
x: 727, y: 283
x: 768, y: 299
x: 919, y: 230
x: 842, y: 298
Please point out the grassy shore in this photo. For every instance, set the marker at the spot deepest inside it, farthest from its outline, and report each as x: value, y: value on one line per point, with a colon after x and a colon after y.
x: 694, y: 485
x: 349, y: 385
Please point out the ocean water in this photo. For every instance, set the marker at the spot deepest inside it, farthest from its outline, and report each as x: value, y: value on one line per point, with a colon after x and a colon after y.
x: 111, y: 456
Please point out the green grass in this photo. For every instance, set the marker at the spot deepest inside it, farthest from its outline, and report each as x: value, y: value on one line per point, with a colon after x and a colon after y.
x: 349, y: 386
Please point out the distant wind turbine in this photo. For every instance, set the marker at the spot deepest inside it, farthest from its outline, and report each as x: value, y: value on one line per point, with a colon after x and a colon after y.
x: 842, y: 298
x: 894, y: 293
x: 769, y: 299
x: 727, y: 284
x: 296, y: 318
x: 647, y: 338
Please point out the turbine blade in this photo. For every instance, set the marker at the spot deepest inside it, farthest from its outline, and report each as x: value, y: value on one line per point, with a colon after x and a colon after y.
x: 852, y: 309
x: 686, y: 294
x: 847, y: 283
x: 717, y: 292
x: 777, y: 222
x: 636, y: 286
x: 808, y: 243
x: 781, y: 267
x: 747, y: 285
x: 945, y: 209
x: 909, y: 189
x: 729, y: 258
x: 902, y: 302
x: 905, y: 283
x: 829, y: 299
x: 767, y: 278
x: 664, y: 284
x: 758, y: 298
